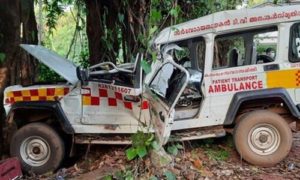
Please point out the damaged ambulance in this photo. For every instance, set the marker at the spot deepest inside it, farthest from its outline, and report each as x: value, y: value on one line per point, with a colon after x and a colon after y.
x: 233, y: 72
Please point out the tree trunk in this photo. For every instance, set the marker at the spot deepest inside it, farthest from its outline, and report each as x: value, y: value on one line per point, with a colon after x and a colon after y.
x: 113, y: 24
x: 3, y: 79
x: 9, y: 38
x: 18, y: 67
x: 94, y: 30
x: 10, y: 31
x: 28, y: 65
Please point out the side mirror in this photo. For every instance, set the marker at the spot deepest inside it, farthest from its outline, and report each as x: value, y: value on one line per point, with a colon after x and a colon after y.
x: 82, y: 76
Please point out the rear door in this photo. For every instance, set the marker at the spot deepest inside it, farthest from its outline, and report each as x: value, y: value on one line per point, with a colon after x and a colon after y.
x: 163, y: 92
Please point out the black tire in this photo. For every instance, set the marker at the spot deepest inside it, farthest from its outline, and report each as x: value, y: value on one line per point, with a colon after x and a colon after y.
x: 41, y: 145
x: 263, y: 138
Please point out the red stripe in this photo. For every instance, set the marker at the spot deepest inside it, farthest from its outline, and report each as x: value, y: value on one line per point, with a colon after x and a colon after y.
x: 103, y: 93
x: 128, y: 105
x: 112, y: 102
x: 66, y: 91
x: 17, y: 93
x: 95, y: 101
x: 118, y: 96
x: 145, y: 105
x: 12, y: 100
x: 50, y: 91
x: 34, y: 92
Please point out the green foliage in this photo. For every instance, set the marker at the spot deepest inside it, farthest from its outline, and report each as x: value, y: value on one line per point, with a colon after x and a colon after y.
x: 175, y: 11
x: 121, y: 17
x: 2, y: 57
x: 54, y: 9
x: 63, y: 40
x: 155, y: 145
x: 62, y: 36
x: 229, y: 141
x: 48, y: 75
x: 261, y: 48
x: 217, y: 154
x: 107, y: 177
x: 174, y: 148
x: 155, y: 16
x: 141, y: 144
x: 131, y: 153
x: 153, y: 178
x: 83, y: 60
x: 124, y: 175
x: 146, y: 66
x: 213, y: 151
x: 169, y: 175
x: 201, y: 8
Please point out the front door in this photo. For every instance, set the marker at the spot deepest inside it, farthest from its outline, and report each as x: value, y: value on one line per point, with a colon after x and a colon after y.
x: 163, y: 93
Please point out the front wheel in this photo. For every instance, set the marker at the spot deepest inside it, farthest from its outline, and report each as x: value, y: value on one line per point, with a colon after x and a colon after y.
x: 263, y: 138
x: 38, y: 147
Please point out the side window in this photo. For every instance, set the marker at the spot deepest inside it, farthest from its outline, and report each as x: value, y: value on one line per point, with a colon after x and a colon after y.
x: 183, y: 56
x: 229, y: 51
x: 192, y: 53
x: 245, y: 48
x: 265, y: 45
x: 295, y: 43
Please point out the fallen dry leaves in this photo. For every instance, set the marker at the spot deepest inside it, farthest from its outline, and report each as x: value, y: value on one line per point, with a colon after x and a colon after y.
x: 192, y: 163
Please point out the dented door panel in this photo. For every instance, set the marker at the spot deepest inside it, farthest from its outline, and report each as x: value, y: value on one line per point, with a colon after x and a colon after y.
x: 163, y: 93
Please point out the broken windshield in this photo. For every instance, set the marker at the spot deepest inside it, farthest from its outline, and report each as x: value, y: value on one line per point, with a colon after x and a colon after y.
x: 167, y: 83
x: 160, y: 82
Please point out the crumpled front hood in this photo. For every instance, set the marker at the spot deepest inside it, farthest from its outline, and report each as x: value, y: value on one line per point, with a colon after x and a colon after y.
x: 62, y: 66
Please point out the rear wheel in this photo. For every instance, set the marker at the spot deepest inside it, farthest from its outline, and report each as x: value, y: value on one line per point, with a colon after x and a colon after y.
x: 263, y: 138
x: 38, y: 147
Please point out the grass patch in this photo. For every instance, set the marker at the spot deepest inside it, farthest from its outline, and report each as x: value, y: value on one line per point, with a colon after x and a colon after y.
x: 217, y: 154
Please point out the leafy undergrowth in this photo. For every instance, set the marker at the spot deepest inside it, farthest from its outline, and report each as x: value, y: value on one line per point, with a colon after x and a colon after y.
x: 203, y: 159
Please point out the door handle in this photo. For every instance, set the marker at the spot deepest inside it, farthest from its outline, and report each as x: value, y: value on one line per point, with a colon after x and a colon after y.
x: 131, y: 98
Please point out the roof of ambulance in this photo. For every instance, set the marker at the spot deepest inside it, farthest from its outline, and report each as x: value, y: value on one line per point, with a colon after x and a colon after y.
x: 229, y: 20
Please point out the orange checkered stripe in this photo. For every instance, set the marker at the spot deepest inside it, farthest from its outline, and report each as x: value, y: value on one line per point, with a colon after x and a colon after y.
x: 297, y: 74
x: 285, y: 78
x: 42, y: 94
x: 89, y: 100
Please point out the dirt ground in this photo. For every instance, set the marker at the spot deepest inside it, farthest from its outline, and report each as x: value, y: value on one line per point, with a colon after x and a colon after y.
x: 203, y: 159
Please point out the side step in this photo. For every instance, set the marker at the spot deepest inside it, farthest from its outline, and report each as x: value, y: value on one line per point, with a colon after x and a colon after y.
x: 103, y: 139
x: 125, y: 139
x: 197, y: 133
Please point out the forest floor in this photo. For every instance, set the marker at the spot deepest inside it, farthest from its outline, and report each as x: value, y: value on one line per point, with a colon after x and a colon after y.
x: 203, y: 159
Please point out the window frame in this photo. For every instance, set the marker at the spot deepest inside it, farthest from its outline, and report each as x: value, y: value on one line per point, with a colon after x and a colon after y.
x: 291, y: 58
x: 191, y: 45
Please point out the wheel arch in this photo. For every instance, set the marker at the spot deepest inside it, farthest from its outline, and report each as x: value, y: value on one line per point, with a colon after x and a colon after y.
x: 38, y: 111
x: 276, y: 94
